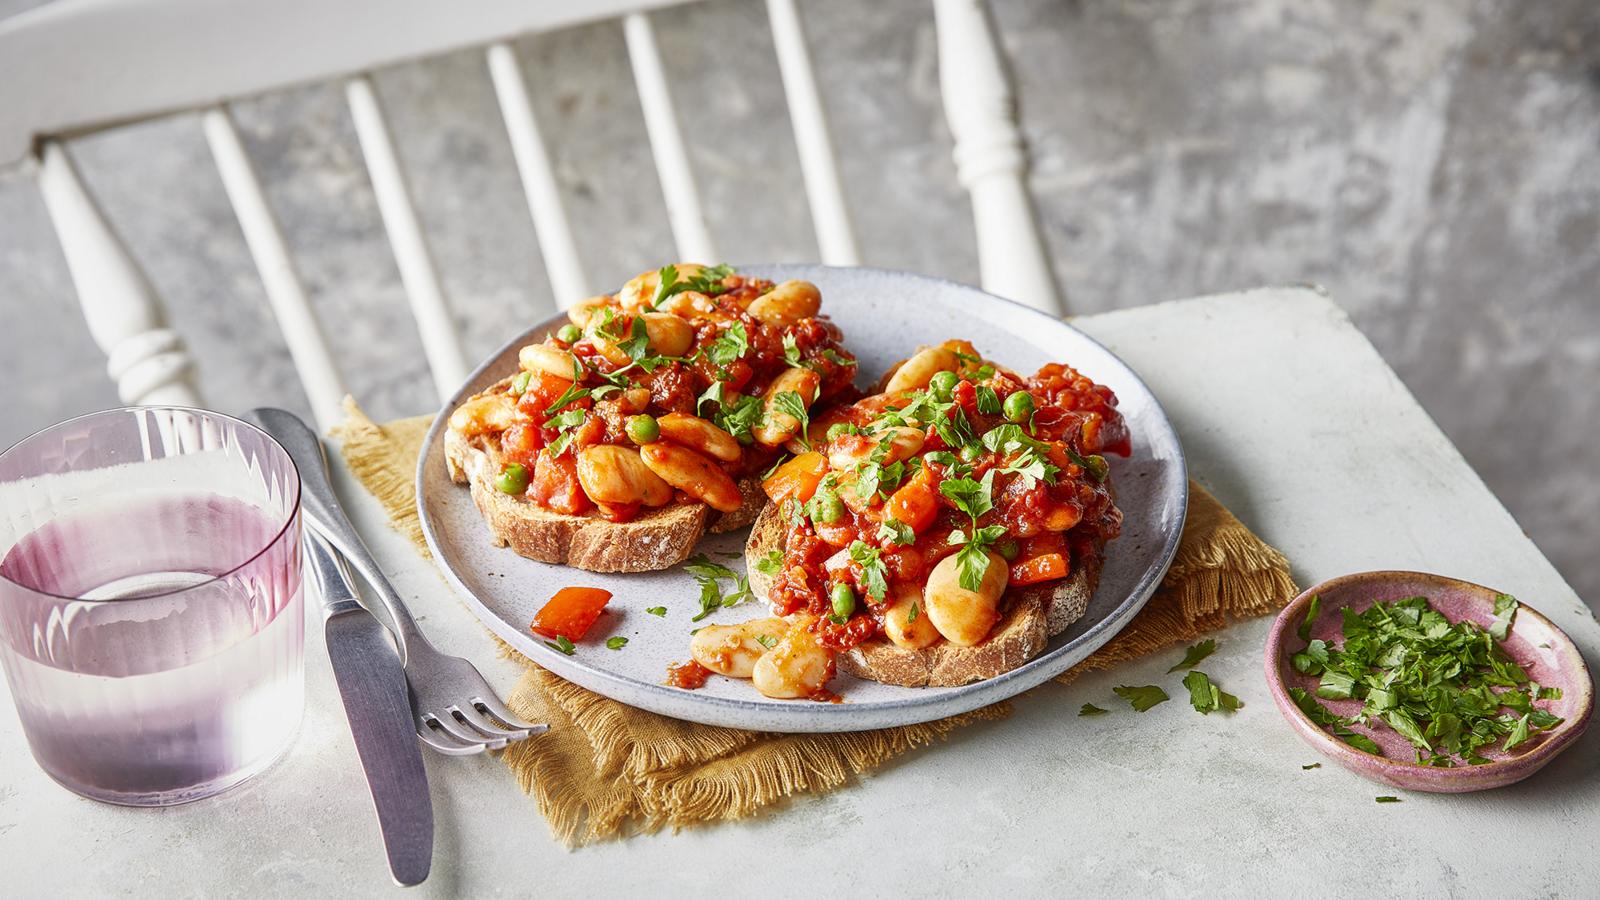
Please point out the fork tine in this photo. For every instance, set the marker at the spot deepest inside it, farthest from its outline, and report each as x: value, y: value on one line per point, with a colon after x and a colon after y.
x: 455, y: 729
x: 502, y: 712
x: 444, y: 743
x: 478, y: 720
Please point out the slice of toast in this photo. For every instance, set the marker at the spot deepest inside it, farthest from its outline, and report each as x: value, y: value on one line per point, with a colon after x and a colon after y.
x: 657, y: 539
x: 1030, y: 617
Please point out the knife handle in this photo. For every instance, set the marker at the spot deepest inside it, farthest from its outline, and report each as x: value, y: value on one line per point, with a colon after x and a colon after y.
x: 334, y: 582
x: 325, y: 516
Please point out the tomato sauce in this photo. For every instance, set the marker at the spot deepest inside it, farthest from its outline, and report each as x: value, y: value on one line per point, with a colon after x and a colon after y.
x: 689, y: 675
x: 1050, y: 524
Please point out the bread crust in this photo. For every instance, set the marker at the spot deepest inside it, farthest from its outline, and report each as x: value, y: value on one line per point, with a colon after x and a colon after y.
x: 656, y: 539
x: 1030, y: 617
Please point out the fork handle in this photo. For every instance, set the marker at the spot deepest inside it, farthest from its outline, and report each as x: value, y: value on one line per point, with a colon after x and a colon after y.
x: 324, y: 514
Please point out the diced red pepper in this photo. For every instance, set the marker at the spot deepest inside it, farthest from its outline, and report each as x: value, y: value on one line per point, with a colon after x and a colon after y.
x: 570, y: 612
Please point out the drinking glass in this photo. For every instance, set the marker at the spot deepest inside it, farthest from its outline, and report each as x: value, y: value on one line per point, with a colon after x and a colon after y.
x: 151, y: 619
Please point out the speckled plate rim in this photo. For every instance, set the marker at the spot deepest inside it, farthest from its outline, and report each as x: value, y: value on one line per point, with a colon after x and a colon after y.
x: 1406, y: 774
x: 919, y: 705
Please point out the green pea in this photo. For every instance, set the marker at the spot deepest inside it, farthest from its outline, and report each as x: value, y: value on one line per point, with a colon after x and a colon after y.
x: 643, y: 429
x: 943, y: 384
x: 513, y: 479
x: 826, y: 507
x: 1007, y: 549
x: 838, y: 430
x: 1019, y: 406
x: 519, y: 384
x: 844, y: 601
x: 569, y: 333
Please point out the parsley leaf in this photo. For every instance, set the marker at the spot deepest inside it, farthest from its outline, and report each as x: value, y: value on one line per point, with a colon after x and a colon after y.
x: 790, y: 404
x: 1505, y: 610
x: 969, y: 496
x: 874, y: 575
x: 1206, y: 697
x: 1143, y: 697
x: 972, y: 560
x: 709, y: 575
x: 1196, y: 653
x: 894, y: 531
x: 988, y: 401
x: 767, y: 641
x: 741, y: 418
x: 1089, y: 709
x: 616, y: 643
x: 791, y: 350
x: 771, y: 563
x: 570, y: 395
x: 1387, y: 799
x: 1309, y: 766
x: 561, y: 645
x: 733, y: 343
x: 1304, y: 631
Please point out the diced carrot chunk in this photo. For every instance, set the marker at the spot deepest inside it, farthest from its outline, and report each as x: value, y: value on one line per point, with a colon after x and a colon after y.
x: 797, y: 478
x: 1048, y: 567
x: 916, y: 503
x: 570, y: 612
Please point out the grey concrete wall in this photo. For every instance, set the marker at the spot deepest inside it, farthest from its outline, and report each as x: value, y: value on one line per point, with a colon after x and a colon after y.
x: 1435, y: 164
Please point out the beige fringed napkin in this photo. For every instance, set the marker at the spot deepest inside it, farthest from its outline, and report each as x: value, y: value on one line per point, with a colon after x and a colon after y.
x: 606, y: 769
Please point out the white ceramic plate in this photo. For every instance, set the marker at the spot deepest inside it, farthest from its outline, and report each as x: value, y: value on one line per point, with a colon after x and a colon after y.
x: 885, y: 316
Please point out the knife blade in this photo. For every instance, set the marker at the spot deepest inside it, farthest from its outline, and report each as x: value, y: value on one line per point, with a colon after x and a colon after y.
x: 372, y: 685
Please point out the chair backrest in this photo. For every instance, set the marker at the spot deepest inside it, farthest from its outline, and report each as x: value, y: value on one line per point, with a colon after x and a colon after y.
x: 76, y: 67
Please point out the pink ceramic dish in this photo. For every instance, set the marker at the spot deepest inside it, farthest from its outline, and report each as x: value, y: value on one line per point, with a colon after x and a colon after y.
x: 1535, y: 642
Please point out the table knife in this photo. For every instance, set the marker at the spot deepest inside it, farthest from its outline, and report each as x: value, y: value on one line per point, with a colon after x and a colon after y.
x: 372, y: 685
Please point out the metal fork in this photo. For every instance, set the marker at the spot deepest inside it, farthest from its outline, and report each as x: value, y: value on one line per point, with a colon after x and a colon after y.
x: 456, y: 711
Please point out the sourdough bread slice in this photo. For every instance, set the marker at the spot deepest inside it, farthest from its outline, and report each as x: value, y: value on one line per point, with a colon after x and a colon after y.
x: 1030, y: 617
x: 657, y: 539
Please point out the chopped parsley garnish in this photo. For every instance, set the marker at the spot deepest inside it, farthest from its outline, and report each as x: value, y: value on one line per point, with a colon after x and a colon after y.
x: 1089, y: 709
x: 1304, y: 631
x: 767, y: 641
x: 1446, y: 687
x: 1196, y: 653
x: 791, y: 351
x: 894, y: 531
x: 1309, y: 766
x: 570, y: 395
x: 874, y: 575
x: 740, y: 418
x: 988, y: 401
x: 771, y: 563
x: 656, y: 611
x: 972, y: 560
x: 616, y: 643
x: 790, y: 404
x: 1206, y: 697
x: 913, y: 612
x: 707, y: 281
x: 1142, y: 697
x: 561, y: 645
x: 709, y: 575
x: 731, y: 344
x: 1387, y: 799
x: 975, y: 499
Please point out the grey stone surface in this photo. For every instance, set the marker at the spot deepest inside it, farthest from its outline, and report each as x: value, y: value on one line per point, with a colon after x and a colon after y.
x: 1433, y: 164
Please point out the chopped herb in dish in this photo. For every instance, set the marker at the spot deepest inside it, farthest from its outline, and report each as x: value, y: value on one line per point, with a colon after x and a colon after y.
x: 616, y: 643
x: 656, y: 611
x: 1089, y: 709
x: 1387, y: 799
x: 1311, y: 766
x: 1448, y: 688
x: 561, y: 645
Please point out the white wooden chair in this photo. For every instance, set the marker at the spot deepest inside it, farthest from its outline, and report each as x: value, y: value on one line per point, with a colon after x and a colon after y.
x: 77, y: 67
